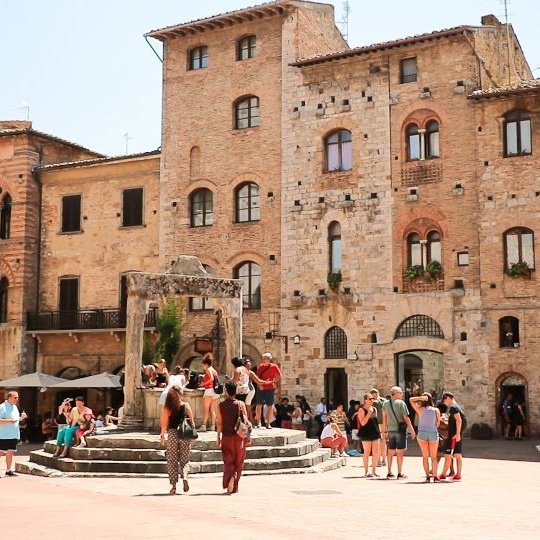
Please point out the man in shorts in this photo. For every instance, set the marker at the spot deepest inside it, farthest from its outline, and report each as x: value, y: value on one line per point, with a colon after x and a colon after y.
x: 269, y: 372
x: 453, y: 443
x: 378, y: 403
x: 9, y: 429
x: 395, y: 423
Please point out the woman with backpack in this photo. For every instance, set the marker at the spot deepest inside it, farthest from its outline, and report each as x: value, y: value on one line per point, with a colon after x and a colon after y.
x: 173, y: 414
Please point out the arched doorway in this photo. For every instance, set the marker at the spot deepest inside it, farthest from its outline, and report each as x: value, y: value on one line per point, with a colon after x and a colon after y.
x: 511, y: 385
x: 424, y: 368
x: 336, y: 388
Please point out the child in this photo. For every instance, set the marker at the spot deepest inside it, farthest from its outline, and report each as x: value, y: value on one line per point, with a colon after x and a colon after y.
x: 88, y: 425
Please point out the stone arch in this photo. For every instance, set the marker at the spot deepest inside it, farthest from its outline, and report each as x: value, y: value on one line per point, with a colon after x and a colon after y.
x: 195, y: 162
x: 419, y: 325
x: 335, y: 343
x: 7, y: 186
x: 251, y: 351
x: 246, y: 177
x: 5, y: 270
x: 517, y: 379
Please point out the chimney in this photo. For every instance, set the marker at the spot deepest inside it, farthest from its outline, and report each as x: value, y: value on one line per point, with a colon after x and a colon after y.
x: 490, y: 20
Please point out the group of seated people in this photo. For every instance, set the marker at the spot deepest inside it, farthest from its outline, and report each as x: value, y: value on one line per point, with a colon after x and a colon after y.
x: 157, y: 376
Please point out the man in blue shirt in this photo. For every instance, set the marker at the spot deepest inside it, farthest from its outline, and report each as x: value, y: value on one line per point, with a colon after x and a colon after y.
x: 9, y: 429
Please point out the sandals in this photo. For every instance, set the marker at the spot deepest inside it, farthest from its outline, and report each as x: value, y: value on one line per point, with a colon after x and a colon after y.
x: 173, y: 491
x: 186, y: 486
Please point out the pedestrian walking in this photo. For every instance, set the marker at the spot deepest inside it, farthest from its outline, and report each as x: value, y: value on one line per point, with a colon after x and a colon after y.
x: 368, y: 430
x: 173, y: 414
x: 453, y: 447
x: 429, y: 418
x: 9, y: 429
x: 265, y: 395
x: 396, y: 421
x: 378, y: 402
x: 233, y: 446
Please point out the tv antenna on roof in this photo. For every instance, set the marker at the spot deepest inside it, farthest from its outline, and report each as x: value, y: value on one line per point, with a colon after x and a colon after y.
x: 126, y: 136
x: 25, y: 106
x: 508, y: 47
x: 344, y: 22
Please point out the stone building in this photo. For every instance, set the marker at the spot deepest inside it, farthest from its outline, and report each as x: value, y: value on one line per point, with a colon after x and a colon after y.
x: 21, y: 149
x: 379, y: 204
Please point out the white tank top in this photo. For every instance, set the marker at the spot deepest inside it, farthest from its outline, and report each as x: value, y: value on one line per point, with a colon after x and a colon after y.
x: 327, y: 431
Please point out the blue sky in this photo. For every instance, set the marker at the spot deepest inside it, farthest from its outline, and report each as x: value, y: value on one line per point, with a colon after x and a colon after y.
x: 89, y: 76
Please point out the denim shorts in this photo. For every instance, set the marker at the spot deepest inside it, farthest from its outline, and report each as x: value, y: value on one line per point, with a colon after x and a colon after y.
x: 397, y: 440
x: 264, y: 397
x: 428, y: 436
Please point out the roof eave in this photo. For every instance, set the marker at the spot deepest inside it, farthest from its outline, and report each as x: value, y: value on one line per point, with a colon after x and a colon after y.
x: 220, y: 21
x: 505, y: 94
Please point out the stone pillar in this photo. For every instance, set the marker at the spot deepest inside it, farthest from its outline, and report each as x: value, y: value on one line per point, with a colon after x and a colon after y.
x: 137, y: 305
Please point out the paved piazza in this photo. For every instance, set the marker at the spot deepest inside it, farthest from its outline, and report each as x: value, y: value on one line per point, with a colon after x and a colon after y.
x: 498, y: 498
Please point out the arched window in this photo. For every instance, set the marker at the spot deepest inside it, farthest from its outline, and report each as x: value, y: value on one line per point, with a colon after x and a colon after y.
x: 517, y: 133
x: 335, y: 343
x: 338, y: 151
x: 195, y: 162
x: 246, y: 48
x: 250, y: 273
x: 202, y: 208
x: 71, y: 373
x: 414, y: 250
x: 509, y: 332
x: 419, y: 325
x: 246, y: 112
x: 335, y: 247
x: 248, y: 205
x: 198, y: 57
x: 434, y: 247
x: 413, y: 142
x: 5, y: 217
x: 4, y: 286
x: 199, y: 303
x: 519, y: 247
x: 432, y: 139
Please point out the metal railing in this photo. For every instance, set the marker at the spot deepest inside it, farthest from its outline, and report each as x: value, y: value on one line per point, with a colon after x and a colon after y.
x: 84, y: 319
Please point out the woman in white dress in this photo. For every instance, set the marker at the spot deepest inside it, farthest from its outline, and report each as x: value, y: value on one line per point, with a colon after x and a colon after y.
x: 178, y: 379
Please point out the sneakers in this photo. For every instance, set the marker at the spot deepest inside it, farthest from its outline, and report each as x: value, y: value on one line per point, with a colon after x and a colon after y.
x: 343, y: 454
x: 11, y: 473
x: 202, y: 428
x: 401, y: 476
x: 390, y: 476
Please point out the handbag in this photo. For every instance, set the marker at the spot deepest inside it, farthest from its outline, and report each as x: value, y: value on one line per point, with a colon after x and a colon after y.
x: 186, y: 429
x: 218, y: 387
x: 243, y: 426
x: 402, y: 426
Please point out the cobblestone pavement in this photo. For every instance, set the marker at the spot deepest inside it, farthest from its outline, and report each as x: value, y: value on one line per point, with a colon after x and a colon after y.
x: 496, y: 499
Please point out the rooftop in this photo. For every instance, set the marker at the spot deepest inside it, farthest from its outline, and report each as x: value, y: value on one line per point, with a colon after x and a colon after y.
x: 524, y: 87
x: 269, y: 9
x: 95, y: 161
x: 25, y: 128
x: 347, y: 53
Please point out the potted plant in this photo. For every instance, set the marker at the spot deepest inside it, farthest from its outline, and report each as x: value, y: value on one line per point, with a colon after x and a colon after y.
x: 519, y: 269
x: 433, y: 270
x: 414, y: 271
x: 334, y: 279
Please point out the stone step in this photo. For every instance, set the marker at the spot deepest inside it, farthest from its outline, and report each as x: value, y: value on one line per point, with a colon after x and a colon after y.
x: 150, y: 467
x: 206, y: 440
x: 41, y: 470
x: 136, y: 454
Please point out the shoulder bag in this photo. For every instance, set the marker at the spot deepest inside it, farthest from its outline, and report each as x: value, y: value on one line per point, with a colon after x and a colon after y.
x: 402, y: 426
x: 243, y: 425
x: 218, y: 387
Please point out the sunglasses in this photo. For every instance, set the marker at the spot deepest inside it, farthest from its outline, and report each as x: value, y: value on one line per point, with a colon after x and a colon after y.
x: 370, y: 398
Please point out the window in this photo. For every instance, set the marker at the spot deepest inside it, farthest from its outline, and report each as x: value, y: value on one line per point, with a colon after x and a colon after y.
x: 199, y: 303
x: 250, y: 274
x: 335, y: 343
x: 132, y: 207
x: 198, y: 57
x: 413, y: 143
x: 71, y: 213
x: 419, y: 325
x: 335, y: 247
x: 432, y: 139
x: 414, y: 250
x: 4, y: 286
x: 248, y: 203
x: 463, y: 258
x: 408, y: 70
x: 68, y: 302
x: 519, y: 247
x: 246, y: 48
x: 202, y: 208
x: 5, y: 217
x: 517, y: 133
x: 338, y: 151
x: 434, y: 247
x: 508, y: 332
x: 247, y: 113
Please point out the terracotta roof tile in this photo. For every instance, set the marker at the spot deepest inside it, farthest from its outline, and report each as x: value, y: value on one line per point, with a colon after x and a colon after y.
x: 524, y: 87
